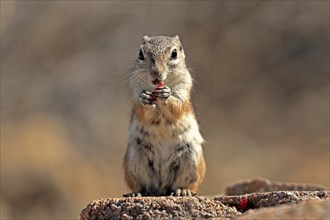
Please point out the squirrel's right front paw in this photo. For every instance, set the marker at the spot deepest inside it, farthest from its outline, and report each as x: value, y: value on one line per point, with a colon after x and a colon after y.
x: 146, y: 98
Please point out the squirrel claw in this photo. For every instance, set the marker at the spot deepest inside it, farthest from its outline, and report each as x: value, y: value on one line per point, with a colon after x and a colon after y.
x: 146, y: 98
x: 132, y: 194
x: 183, y: 192
x: 162, y: 92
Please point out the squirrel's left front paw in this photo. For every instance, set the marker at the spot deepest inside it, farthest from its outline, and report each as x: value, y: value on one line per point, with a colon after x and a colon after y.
x: 146, y: 98
x: 162, y: 93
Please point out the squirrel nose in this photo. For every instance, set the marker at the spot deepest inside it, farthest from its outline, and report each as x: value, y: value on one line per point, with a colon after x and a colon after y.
x: 155, y: 72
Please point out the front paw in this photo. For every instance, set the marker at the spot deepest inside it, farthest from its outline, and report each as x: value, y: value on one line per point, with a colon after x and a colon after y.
x: 147, y: 98
x: 162, y: 93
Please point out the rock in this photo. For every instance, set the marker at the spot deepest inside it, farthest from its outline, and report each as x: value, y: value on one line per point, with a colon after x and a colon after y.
x: 267, y: 199
x: 265, y: 185
x: 193, y: 207
x: 315, y: 210
x: 157, y: 208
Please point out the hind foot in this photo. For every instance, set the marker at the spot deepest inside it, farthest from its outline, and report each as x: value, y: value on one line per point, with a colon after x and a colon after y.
x: 183, y: 192
x: 132, y: 194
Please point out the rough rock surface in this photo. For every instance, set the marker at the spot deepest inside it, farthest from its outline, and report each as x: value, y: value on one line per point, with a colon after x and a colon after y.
x: 267, y: 199
x: 265, y: 185
x: 304, y: 210
x: 259, y: 205
x: 156, y: 208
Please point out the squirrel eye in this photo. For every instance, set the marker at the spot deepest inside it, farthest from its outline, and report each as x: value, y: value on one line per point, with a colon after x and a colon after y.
x: 174, y: 54
x: 141, y: 56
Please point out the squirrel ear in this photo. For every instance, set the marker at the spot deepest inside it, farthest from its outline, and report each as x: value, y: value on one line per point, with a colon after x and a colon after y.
x: 145, y: 39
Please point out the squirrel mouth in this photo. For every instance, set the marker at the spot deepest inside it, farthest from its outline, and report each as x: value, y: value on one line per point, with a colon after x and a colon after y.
x: 156, y: 81
x: 159, y: 79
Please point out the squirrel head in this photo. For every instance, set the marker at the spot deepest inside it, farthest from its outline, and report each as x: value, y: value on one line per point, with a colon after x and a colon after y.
x: 160, y: 58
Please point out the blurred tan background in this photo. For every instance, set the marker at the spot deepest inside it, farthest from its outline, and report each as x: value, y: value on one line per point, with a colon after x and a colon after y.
x: 261, y: 93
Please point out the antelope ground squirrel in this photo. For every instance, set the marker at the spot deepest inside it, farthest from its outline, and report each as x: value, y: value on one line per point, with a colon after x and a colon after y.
x: 164, y: 154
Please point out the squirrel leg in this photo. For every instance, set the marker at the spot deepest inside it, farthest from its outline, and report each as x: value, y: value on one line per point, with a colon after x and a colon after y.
x: 191, y: 187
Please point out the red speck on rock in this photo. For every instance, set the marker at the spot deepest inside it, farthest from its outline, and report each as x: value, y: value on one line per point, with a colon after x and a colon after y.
x: 243, y: 204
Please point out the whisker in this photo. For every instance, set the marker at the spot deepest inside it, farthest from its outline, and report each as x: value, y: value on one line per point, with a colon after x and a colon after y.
x: 140, y: 75
x: 124, y: 78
